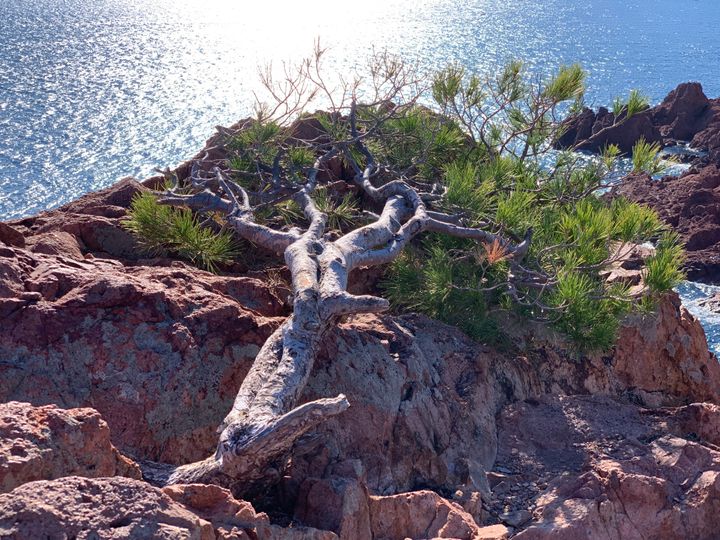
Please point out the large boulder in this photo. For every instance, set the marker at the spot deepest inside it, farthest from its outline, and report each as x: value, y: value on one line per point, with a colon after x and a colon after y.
x: 107, y: 508
x: 595, y: 467
x: 234, y: 519
x: 44, y: 443
x: 159, y: 351
x: 75, y: 507
x: 659, y: 359
x: 664, y: 359
x: 344, y: 506
x: 671, y: 489
x: 422, y: 405
x: 11, y: 236
x: 421, y: 514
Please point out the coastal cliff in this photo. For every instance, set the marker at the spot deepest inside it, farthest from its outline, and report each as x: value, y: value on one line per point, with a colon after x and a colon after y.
x: 110, y: 360
x: 445, y: 437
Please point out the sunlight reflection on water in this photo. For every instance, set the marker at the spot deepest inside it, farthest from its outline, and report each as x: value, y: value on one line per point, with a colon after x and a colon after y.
x: 92, y: 90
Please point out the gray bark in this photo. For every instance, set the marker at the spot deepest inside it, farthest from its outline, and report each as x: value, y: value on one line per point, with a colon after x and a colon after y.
x: 266, y: 418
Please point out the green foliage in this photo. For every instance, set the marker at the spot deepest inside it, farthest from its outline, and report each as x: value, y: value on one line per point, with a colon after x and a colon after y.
x: 662, y: 270
x: 634, y: 222
x: 646, y: 158
x: 635, y: 103
x: 342, y: 214
x: 419, y: 141
x: 257, y: 141
x: 163, y: 229
x: 460, y: 283
x: 432, y: 279
x: 509, y: 113
x: 508, y: 183
x: 590, y: 313
x: 568, y: 83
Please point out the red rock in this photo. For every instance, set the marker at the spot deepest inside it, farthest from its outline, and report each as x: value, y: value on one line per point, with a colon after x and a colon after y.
x: 697, y: 420
x: 493, y: 532
x: 338, y: 504
x: 56, y: 243
x: 95, y: 220
x: 419, y: 514
x: 233, y: 519
x: 614, y: 471
x: 10, y: 236
x: 44, y: 443
x: 664, y: 359
x: 407, y: 379
x: 160, y: 352
x: 75, y: 507
x: 670, y: 491
x: 599, y: 127
x: 685, y: 114
x: 343, y: 505
x: 690, y: 205
x: 559, y: 434
x: 658, y: 359
x: 309, y: 129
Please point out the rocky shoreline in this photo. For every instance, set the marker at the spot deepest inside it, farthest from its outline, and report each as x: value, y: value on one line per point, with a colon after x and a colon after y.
x: 110, y: 360
x: 686, y: 115
x: 689, y: 203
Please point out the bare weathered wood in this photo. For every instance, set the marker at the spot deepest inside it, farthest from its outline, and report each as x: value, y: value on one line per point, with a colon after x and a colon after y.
x: 267, y: 416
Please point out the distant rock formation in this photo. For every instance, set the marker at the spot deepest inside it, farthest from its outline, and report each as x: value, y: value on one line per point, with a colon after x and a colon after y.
x: 686, y: 114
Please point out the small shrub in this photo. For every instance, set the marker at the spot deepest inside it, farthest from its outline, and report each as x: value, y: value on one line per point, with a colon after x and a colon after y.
x: 646, y: 158
x: 165, y: 230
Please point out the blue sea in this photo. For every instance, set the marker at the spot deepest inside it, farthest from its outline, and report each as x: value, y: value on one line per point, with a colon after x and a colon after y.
x: 94, y: 90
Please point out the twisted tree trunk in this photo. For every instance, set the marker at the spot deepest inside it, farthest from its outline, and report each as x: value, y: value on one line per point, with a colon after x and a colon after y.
x: 265, y: 420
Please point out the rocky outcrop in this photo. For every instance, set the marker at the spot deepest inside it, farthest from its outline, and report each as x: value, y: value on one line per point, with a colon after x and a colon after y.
x: 421, y: 514
x: 232, y: 519
x: 343, y: 505
x: 660, y: 359
x: 44, y: 443
x: 594, y: 467
x: 10, y: 236
x: 670, y: 490
x: 664, y: 359
x: 94, y: 222
x: 134, y: 342
x: 160, y: 348
x: 690, y: 204
x: 75, y: 507
x: 407, y: 379
x: 686, y: 114
x: 594, y: 131
x: 117, y: 507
